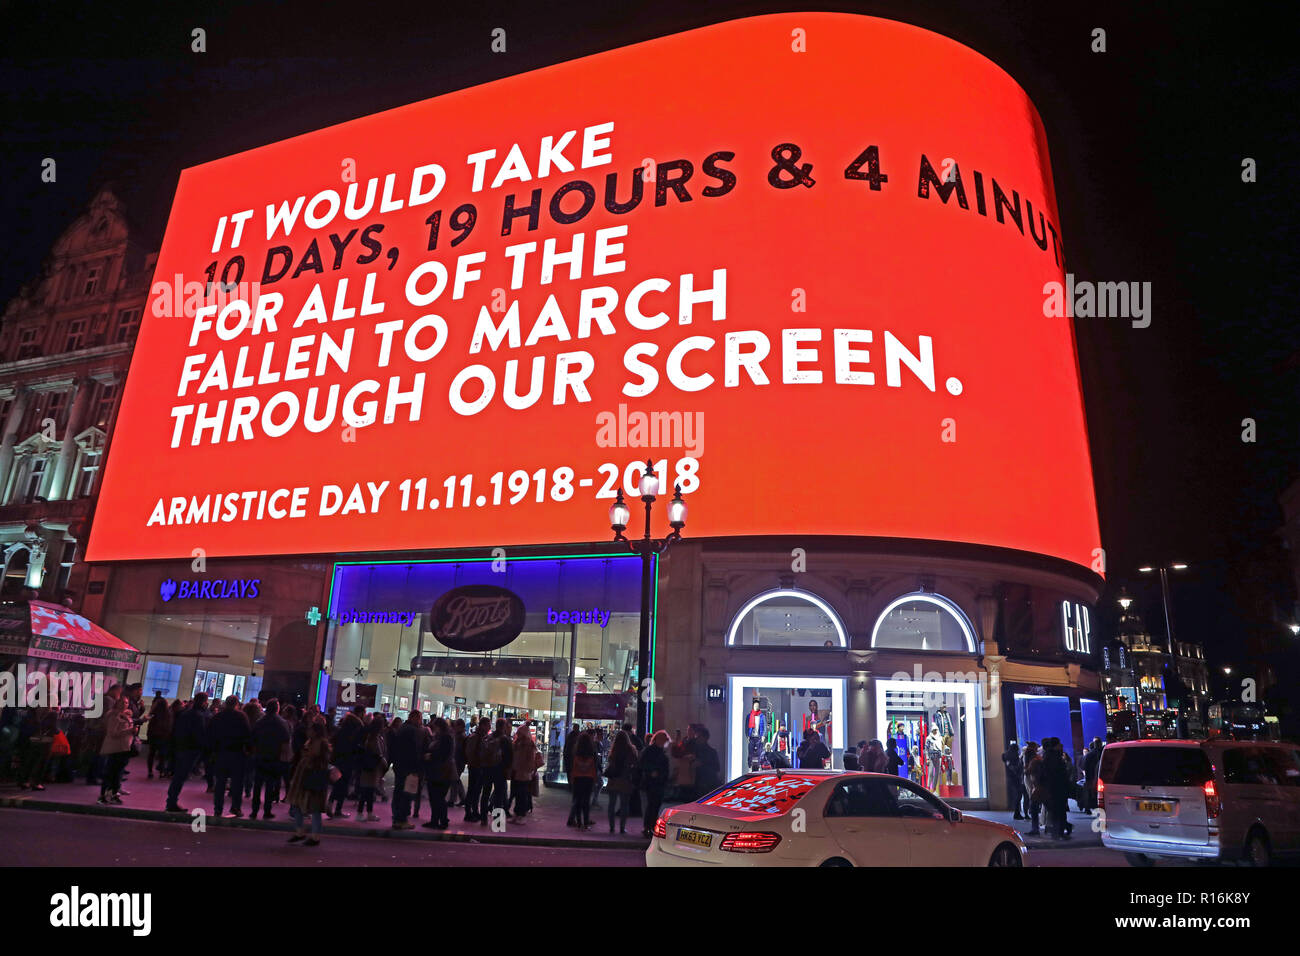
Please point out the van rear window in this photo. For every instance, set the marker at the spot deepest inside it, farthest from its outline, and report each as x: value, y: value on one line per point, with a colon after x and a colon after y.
x: 1156, y: 767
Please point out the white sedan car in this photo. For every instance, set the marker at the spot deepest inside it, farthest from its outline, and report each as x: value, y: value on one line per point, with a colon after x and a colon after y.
x: 827, y: 818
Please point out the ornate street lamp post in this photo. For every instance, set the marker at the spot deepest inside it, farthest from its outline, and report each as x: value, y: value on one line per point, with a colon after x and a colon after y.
x: 620, y: 516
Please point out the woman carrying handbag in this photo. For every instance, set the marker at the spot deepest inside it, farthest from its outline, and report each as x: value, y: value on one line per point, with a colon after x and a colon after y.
x: 310, y: 785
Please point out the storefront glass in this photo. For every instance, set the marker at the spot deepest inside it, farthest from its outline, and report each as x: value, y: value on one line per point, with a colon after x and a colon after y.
x: 924, y: 622
x: 222, y: 630
x: 937, y: 730
x: 380, y: 638
x: 769, y: 715
x: 787, y: 618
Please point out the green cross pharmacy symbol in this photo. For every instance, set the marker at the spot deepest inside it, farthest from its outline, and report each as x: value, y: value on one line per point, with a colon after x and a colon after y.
x: 313, y: 615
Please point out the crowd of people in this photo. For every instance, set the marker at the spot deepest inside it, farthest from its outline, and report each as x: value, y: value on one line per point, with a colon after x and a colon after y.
x: 260, y: 753
x: 1043, y: 779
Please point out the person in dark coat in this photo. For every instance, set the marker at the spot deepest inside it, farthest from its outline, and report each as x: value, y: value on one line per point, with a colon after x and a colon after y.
x: 271, y: 740
x: 1091, y: 767
x: 347, y: 751
x: 406, y: 754
x: 1056, y: 784
x: 189, y: 742
x: 497, y: 756
x: 1015, y: 771
x: 230, y: 737
x: 439, y: 768
x: 851, y: 759
x: 814, y: 754
x: 654, y: 779
x: 160, y: 734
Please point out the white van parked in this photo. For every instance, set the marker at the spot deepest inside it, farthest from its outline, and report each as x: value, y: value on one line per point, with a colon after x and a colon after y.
x: 1223, y: 800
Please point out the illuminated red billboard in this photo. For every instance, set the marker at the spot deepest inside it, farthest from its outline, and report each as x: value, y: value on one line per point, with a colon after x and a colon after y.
x: 798, y: 261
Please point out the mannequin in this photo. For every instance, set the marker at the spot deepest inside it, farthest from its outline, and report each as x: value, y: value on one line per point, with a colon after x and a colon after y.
x: 755, y: 732
x: 934, y: 758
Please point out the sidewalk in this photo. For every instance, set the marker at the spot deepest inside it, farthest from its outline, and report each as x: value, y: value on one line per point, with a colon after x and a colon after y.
x: 1083, y: 836
x: 545, y: 825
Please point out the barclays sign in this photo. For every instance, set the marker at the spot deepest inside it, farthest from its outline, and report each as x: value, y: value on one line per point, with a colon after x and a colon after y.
x: 219, y: 589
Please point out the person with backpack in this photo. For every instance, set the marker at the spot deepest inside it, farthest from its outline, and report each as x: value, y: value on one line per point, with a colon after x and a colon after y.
x: 474, y: 761
x: 623, y: 779
x: 496, y: 756
x: 582, y: 778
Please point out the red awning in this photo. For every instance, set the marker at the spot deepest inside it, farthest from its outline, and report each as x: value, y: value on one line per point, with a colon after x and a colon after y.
x: 61, y: 634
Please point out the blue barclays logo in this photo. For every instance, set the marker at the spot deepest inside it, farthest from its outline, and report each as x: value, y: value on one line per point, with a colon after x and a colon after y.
x: 218, y: 590
x: 594, y: 616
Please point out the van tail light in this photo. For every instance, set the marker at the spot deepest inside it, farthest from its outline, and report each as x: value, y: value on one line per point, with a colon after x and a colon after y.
x: 1101, y: 794
x: 1212, y: 803
x: 750, y: 842
x: 661, y: 829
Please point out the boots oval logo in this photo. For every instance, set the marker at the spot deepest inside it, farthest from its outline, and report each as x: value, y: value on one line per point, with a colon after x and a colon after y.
x: 477, y: 617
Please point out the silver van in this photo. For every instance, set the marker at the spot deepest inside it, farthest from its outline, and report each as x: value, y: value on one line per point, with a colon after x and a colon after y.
x: 1223, y: 800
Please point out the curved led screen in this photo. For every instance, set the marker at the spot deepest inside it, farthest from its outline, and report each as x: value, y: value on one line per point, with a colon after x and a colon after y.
x: 797, y: 261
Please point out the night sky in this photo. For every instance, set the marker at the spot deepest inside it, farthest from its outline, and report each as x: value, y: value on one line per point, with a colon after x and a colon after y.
x: 1147, y: 142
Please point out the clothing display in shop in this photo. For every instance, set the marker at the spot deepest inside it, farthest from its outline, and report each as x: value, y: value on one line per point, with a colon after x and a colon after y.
x: 934, y: 759
x: 757, y: 724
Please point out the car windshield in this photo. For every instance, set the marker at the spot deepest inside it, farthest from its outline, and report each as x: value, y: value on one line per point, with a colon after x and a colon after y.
x: 762, y: 793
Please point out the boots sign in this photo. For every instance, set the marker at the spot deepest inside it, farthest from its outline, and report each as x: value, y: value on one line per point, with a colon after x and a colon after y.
x: 477, y: 617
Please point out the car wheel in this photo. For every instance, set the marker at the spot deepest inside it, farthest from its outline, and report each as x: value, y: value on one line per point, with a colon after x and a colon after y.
x: 1139, y: 859
x: 1006, y: 855
x: 1258, y: 852
x: 837, y: 861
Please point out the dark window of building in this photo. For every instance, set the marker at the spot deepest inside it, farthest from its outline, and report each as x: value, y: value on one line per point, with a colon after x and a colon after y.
x: 89, y: 473
x: 104, y: 405
x: 28, y: 347
x: 128, y: 322
x: 76, y: 335
x: 35, y: 477
x: 91, y: 284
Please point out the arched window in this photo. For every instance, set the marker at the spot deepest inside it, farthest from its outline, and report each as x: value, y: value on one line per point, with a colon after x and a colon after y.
x: 787, y: 617
x: 922, y: 621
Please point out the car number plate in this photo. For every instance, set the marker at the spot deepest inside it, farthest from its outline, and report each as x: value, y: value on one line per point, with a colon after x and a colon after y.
x: 694, y: 837
x: 1155, y: 806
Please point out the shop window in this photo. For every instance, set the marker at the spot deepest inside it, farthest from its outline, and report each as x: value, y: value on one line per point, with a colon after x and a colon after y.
x: 770, y: 717
x: 162, y: 678
x: 787, y: 618
x: 934, y: 727
x: 924, y: 622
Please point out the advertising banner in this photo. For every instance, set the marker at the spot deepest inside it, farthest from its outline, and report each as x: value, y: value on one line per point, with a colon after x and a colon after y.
x: 799, y: 262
